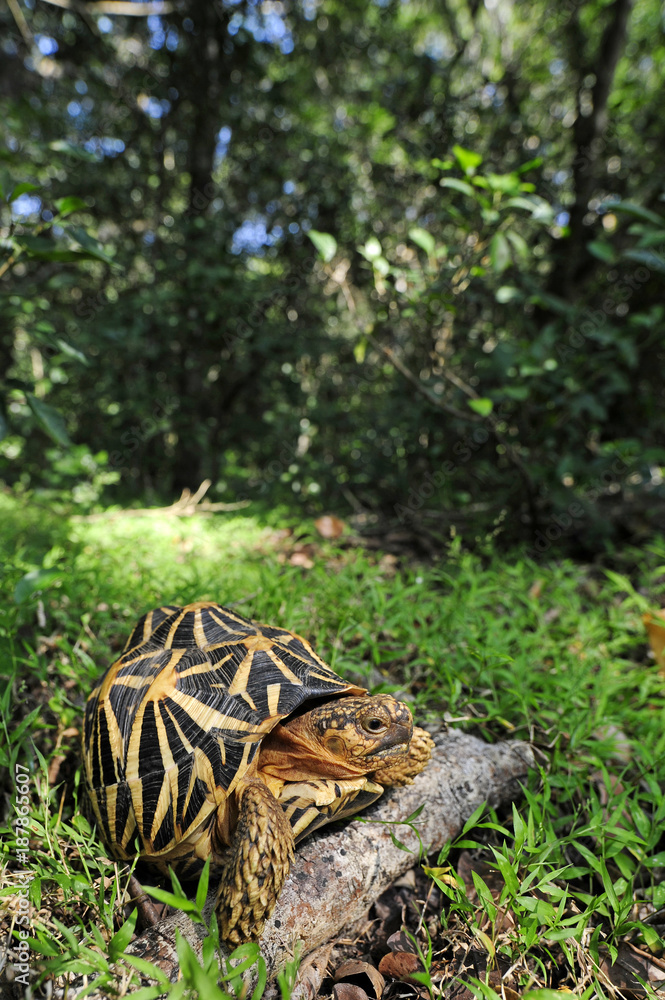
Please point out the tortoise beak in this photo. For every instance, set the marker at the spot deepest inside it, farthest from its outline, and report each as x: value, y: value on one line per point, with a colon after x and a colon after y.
x: 397, y: 735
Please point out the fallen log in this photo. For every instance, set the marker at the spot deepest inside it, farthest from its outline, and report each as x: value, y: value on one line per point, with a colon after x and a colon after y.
x: 338, y: 873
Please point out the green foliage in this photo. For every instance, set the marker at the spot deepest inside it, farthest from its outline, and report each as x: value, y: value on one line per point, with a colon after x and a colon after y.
x: 385, y: 267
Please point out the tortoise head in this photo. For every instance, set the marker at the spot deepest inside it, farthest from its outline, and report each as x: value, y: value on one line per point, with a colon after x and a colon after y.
x: 344, y: 738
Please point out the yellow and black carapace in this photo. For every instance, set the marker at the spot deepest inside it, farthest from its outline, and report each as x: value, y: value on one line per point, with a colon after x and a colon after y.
x: 215, y: 737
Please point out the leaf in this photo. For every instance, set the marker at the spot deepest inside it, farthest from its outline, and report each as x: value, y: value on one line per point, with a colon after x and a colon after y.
x: 553, y: 302
x: 148, y: 969
x: 507, y: 871
x: 202, y: 889
x: 546, y: 994
x: 655, y: 626
x: 123, y: 936
x: 262, y: 978
x: 507, y: 293
x: 151, y: 992
x: 630, y: 208
x: 72, y: 351
x: 25, y: 187
x: 602, y: 251
x: 89, y: 244
x: 484, y: 940
x: 473, y: 820
x: 423, y: 239
x: 504, y: 183
x: 520, y: 244
x: 372, y: 249
x: 65, y: 206
x: 43, y: 947
x: 399, y: 845
x: 36, y: 580
x: 649, y: 237
x: 483, y: 406
x: 537, y: 206
x: 519, y: 826
x: 530, y: 165
x: 330, y: 526
x: 34, y: 244
x: 415, y: 814
x: 51, y: 420
x: 179, y: 902
x: 324, y: 243
x: 25, y: 724
x: 646, y: 257
x: 62, y: 146
x: 467, y: 159
x: 500, y: 253
x: 456, y: 184
x: 39, y: 248
x: 43, y: 326
x: 360, y: 349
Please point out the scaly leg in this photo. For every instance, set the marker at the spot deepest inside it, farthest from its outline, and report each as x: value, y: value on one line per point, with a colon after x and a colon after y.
x: 420, y: 751
x: 258, y: 862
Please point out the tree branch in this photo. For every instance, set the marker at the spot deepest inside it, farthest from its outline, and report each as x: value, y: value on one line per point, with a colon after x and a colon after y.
x: 417, y: 383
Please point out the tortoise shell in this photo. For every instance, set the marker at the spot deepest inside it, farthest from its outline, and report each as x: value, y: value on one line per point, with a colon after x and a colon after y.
x: 178, y: 719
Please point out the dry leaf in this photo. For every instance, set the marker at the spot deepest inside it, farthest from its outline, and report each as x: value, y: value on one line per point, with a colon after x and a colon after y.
x: 407, y: 881
x: 655, y: 626
x: 301, y: 559
x: 330, y: 526
x: 54, y: 769
x: 348, y: 991
x: 399, y: 964
x: 388, y: 564
x: 399, y: 941
x: 362, y: 976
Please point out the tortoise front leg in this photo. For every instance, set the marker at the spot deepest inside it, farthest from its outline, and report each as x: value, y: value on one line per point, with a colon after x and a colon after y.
x: 258, y: 862
x: 403, y: 773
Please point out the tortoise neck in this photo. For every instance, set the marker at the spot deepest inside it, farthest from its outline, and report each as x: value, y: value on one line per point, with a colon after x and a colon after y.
x: 294, y: 753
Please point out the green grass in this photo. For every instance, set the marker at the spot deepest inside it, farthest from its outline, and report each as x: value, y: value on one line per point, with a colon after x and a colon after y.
x: 502, y: 646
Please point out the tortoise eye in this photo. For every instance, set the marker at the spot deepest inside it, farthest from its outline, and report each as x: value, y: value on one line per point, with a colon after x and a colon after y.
x: 374, y: 725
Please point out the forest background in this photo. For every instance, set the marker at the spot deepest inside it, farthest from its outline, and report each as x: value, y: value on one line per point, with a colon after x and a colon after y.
x: 400, y: 262
x: 396, y: 260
